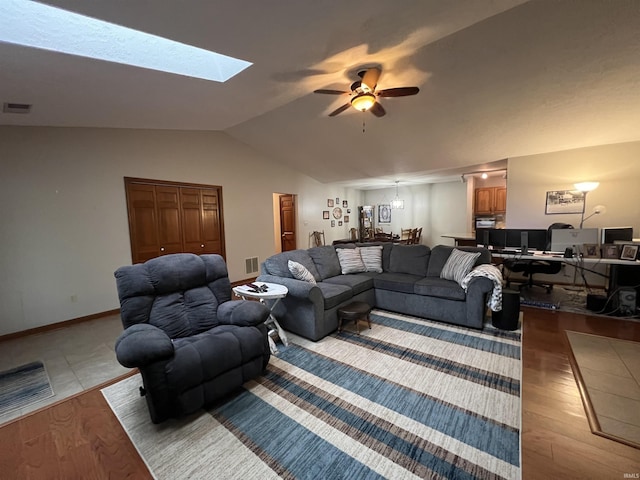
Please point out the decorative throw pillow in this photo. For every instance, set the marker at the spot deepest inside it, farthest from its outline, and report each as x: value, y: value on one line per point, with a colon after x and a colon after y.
x: 350, y: 260
x: 300, y: 272
x: 458, y: 265
x: 372, y: 258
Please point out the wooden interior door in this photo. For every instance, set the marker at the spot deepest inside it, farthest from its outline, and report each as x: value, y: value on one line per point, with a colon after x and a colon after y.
x: 288, y: 222
x: 169, y: 219
x: 193, y: 232
x: 143, y: 222
x: 212, y: 236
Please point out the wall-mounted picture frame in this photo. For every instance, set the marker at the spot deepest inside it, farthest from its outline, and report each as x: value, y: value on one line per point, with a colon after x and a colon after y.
x: 337, y: 201
x: 610, y: 250
x: 346, y: 219
x: 325, y: 214
x: 339, y: 223
x: 629, y: 252
x: 330, y: 202
x: 564, y: 201
x: 333, y: 223
x: 590, y: 250
x: 345, y: 204
x: 348, y: 210
x: 384, y: 213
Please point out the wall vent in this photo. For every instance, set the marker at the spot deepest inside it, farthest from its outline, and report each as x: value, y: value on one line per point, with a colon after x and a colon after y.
x: 16, y: 107
x: 251, y: 265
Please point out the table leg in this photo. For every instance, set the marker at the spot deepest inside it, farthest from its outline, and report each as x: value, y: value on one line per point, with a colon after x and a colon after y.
x: 272, y: 319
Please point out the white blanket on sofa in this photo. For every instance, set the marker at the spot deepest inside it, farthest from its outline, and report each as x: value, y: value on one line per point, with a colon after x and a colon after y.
x: 492, y: 273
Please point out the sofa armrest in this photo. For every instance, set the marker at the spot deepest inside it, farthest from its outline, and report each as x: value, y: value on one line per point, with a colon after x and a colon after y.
x: 143, y: 344
x: 297, y: 288
x: 244, y: 313
x: 479, y: 286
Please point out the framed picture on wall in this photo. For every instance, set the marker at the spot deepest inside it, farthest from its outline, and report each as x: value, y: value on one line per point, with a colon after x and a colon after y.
x: 384, y: 213
x: 330, y: 202
x: 340, y: 223
x: 325, y: 214
x: 345, y: 204
x: 346, y: 219
x: 564, y: 201
x: 333, y: 223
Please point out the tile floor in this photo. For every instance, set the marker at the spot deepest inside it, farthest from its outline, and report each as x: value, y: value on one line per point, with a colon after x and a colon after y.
x: 610, y: 369
x: 76, y: 358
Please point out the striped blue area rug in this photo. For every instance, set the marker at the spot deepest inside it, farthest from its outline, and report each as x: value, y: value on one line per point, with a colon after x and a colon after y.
x: 407, y: 399
x: 22, y: 386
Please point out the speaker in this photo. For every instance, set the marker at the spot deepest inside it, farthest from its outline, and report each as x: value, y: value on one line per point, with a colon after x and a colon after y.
x: 485, y: 238
x: 627, y: 301
x: 508, y: 317
x: 524, y: 242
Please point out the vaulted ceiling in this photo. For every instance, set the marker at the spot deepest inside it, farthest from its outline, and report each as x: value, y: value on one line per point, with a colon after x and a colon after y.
x: 497, y: 79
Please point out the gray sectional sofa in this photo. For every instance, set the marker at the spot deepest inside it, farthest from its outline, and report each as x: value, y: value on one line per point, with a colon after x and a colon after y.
x: 409, y: 283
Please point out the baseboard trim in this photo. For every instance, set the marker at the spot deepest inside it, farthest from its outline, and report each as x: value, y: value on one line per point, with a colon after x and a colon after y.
x: 54, y: 326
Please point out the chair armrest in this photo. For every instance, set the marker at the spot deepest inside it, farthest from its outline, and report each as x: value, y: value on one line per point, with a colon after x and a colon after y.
x: 479, y: 286
x: 244, y: 313
x: 143, y: 344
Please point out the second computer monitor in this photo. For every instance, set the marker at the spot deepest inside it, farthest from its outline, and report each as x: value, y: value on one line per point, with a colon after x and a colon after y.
x: 564, y: 238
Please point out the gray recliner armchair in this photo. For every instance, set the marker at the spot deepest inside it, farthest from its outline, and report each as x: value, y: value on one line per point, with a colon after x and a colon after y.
x: 192, y: 344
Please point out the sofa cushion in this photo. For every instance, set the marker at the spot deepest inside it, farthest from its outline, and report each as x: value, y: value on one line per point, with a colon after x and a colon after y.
x: 397, y: 282
x: 372, y: 258
x: 439, y: 287
x: 326, y: 261
x: 278, y: 265
x: 357, y: 282
x: 440, y: 255
x: 350, y: 260
x: 334, y: 294
x: 412, y: 259
x: 458, y: 265
x: 300, y: 272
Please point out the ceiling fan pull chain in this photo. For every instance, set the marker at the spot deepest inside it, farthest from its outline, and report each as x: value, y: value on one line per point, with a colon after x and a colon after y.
x: 362, y: 122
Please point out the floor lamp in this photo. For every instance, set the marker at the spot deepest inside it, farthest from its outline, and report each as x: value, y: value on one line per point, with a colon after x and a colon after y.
x: 585, y: 187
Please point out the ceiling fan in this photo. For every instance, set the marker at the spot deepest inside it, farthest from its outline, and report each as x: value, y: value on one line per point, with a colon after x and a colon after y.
x: 364, y: 95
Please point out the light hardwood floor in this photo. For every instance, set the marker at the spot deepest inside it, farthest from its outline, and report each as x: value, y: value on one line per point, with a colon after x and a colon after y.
x: 80, y: 437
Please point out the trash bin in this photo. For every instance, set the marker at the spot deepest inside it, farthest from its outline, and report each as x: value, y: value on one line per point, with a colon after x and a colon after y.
x: 507, y: 318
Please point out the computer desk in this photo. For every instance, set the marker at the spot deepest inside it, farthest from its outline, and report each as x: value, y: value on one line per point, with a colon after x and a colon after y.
x: 621, y: 272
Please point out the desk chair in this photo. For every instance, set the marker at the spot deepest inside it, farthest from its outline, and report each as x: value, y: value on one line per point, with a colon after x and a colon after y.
x: 530, y: 267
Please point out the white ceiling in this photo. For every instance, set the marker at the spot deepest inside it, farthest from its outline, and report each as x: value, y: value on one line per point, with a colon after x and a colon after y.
x: 497, y: 78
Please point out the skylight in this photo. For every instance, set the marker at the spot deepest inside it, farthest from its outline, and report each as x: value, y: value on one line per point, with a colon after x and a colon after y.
x: 33, y: 24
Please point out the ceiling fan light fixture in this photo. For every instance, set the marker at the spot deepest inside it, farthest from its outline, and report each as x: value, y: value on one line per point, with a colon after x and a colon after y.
x: 363, y: 101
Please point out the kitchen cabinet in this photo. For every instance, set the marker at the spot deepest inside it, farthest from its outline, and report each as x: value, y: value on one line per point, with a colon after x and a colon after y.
x: 490, y: 200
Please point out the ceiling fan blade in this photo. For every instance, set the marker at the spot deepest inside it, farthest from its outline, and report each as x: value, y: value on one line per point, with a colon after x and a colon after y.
x: 340, y: 110
x: 331, y: 92
x: 378, y: 110
x: 398, y: 92
x: 370, y: 79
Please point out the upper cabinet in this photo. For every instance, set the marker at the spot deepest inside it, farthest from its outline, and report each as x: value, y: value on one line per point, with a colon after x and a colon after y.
x: 490, y: 200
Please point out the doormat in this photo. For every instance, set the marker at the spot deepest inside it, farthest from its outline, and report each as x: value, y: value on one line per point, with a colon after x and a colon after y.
x: 24, y: 385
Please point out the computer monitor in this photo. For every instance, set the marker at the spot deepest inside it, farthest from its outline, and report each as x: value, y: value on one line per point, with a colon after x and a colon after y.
x: 494, y: 237
x: 534, y: 239
x: 564, y: 238
x: 613, y: 234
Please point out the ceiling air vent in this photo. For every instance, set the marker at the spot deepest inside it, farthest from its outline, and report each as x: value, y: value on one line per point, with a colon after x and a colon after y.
x: 16, y: 108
